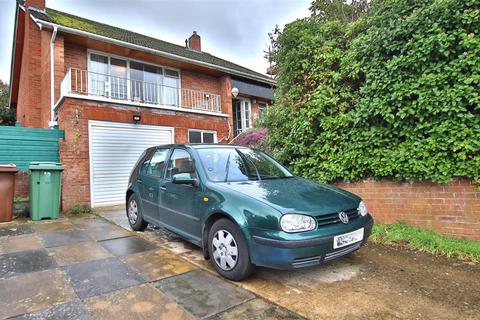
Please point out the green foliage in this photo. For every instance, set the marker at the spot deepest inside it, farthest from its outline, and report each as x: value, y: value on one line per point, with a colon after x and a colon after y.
x: 7, y: 115
x: 391, y: 91
x: 426, y: 241
x: 84, y: 209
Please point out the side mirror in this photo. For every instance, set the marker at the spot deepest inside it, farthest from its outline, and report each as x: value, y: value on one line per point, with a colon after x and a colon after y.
x: 184, y: 178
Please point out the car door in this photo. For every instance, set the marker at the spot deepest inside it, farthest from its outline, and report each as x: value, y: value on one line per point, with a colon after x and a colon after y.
x: 150, y: 179
x: 178, y: 205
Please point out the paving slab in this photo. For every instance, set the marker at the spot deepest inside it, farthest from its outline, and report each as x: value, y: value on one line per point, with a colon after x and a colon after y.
x: 157, y: 264
x: 139, y: 302
x: 15, y: 230
x: 118, y: 217
x: 73, y: 310
x: 20, y: 243
x: 49, y: 226
x: 76, y: 253
x: 90, y: 223
x: 203, y: 294
x: 101, y: 276
x: 127, y: 245
x: 107, y: 232
x: 33, y: 291
x: 256, y: 309
x: 15, y: 263
x: 63, y: 238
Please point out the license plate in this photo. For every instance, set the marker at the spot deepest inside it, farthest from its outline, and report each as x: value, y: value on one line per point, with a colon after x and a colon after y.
x: 345, y: 239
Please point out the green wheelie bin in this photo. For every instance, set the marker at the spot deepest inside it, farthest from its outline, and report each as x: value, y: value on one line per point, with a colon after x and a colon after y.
x: 45, y: 188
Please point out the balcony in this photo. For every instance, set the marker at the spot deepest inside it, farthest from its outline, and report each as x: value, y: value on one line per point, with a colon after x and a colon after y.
x: 102, y: 86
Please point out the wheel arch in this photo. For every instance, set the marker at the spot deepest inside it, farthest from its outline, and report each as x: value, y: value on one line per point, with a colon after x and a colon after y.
x: 207, y: 225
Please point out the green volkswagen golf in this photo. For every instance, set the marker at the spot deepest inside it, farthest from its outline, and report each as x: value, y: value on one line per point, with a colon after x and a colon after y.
x: 243, y: 208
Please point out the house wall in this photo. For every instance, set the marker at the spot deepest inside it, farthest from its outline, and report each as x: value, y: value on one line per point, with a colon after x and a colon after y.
x: 74, y: 149
x: 452, y: 208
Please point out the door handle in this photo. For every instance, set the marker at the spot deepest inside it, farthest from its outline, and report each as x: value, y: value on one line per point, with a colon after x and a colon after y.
x: 163, y: 188
x: 139, y: 181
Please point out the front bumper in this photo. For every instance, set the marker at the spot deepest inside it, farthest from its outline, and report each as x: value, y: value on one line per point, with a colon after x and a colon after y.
x: 294, y: 254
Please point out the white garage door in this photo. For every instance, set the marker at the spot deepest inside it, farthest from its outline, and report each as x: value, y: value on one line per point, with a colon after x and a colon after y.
x: 114, y: 150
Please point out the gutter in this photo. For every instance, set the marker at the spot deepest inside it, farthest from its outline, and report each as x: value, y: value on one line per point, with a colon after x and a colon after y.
x: 52, y: 123
x: 149, y: 50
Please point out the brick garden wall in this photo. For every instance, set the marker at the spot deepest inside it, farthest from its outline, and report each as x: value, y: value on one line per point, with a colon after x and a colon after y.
x: 452, y: 208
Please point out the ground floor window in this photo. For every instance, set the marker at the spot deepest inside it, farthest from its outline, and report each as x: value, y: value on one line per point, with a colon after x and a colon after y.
x: 241, y: 115
x: 202, y: 136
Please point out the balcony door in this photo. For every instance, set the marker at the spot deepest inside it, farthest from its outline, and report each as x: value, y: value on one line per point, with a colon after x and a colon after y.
x: 241, y: 115
x: 97, y: 75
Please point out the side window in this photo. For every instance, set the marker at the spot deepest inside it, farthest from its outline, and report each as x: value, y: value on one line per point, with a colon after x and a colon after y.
x: 156, y: 165
x: 180, y: 162
x: 145, y: 162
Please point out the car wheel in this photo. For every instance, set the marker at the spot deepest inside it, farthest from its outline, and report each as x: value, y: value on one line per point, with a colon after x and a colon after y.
x: 229, y: 251
x: 134, y: 214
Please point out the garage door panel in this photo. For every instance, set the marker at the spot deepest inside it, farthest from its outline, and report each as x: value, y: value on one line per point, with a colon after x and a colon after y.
x: 114, y: 150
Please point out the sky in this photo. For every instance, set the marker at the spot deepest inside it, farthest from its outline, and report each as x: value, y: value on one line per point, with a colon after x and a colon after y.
x: 236, y: 30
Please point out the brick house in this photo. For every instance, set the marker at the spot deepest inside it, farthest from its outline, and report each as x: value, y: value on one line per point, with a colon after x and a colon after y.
x: 115, y: 92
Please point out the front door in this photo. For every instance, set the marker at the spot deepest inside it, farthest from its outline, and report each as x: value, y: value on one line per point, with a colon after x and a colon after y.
x: 150, y: 180
x: 177, y: 205
x: 241, y: 115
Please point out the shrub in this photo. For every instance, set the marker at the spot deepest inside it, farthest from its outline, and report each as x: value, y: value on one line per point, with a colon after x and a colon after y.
x: 83, y: 209
x: 254, y: 138
x: 392, y: 92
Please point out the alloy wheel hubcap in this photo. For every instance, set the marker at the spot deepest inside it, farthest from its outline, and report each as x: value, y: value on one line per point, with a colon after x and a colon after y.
x: 132, y: 212
x: 225, y: 250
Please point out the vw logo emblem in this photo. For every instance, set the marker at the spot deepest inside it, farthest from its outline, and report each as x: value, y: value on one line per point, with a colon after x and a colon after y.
x: 343, y: 217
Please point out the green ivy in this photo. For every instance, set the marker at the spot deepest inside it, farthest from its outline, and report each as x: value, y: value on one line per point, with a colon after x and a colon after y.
x: 392, y: 93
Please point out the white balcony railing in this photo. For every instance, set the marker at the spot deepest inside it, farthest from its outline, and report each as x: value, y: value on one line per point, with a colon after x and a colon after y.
x: 83, y: 82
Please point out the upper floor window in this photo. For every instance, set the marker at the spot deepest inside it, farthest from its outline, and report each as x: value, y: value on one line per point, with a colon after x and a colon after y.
x: 122, y: 78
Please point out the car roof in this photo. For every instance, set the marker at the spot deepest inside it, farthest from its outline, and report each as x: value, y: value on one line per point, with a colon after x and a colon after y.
x: 200, y: 145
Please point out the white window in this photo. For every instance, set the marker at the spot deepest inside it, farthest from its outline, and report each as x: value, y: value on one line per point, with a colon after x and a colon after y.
x: 202, y: 136
x: 126, y: 79
x: 241, y: 115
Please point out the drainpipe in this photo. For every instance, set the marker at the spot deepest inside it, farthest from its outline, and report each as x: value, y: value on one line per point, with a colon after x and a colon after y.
x: 52, y: 123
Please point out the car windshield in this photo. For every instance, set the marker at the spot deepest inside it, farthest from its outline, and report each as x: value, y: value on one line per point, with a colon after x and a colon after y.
x: 240, y: 164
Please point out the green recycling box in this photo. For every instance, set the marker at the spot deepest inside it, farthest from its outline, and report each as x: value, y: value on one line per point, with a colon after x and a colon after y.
x: 45, y: 188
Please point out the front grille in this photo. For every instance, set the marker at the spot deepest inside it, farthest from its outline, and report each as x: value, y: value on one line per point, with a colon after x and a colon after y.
x: 332, y: 218
x: 342, y: 252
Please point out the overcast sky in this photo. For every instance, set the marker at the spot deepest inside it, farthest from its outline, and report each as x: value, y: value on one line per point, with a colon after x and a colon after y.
x: 235, y: 30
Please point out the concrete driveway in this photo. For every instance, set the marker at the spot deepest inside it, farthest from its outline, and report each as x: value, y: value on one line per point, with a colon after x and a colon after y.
x: 95, y: 268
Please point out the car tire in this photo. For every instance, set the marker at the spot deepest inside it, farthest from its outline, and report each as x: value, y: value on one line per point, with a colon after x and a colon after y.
x: 228, y: 251
x: 134, y: 214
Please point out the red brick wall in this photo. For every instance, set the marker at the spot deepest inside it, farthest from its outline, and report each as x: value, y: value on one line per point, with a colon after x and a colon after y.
x: 22, y: 184
x: 452, y: 209
x: 74, y: 154
x: 75, y: 57
x: 198, y: 81
x: 28, y: 104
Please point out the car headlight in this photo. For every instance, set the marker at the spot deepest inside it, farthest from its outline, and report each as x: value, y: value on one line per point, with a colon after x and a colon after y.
x: 362, y: 208
x: 297, y: 223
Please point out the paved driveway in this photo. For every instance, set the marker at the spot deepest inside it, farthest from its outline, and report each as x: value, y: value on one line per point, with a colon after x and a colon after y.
x: 89, y: 267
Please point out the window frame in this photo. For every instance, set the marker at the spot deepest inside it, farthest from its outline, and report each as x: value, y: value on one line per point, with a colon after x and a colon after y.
x: 128, y: 60
x: 201, y: 135
x: 150, y: 157
x: 172, y: 151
